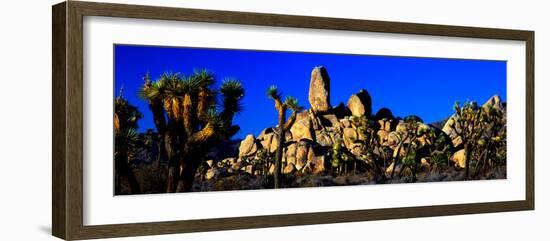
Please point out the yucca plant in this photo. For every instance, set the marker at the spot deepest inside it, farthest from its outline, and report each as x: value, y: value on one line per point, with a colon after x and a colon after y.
x: 126, y: 117
x: 481, y: 130
x: 188, y: 117
x: 367, y: 129
x: 282, y: 126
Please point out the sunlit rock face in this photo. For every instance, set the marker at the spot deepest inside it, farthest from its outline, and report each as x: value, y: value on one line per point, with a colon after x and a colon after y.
x: 360, y: 104
x: 319, y: 90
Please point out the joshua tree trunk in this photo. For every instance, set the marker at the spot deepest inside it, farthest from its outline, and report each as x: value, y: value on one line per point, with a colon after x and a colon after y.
x: 173, y: 172
x: 187, y: 175
x: 124, y: 170
x: 395, y: 159
x: 467, y: 161
x: 279, y: 153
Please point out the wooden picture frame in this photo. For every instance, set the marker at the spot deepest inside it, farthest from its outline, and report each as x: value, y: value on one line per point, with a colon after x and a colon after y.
x: 67, y: 152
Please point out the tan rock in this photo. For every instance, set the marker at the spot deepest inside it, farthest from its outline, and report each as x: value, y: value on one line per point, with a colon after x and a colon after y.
x: 457, y: 141
x: 449, y: 129
x: 237, y: 165
x: 425, y: 163
x: 266, y: 140
x: 210, y: 163
x: 248, y: 146
x: 332, y: 120
x: 346, y: 123
x: 290, y: 153
x: 319, y: 90
x: 324, y: 139
x: 350, y: 136
x: 390, y: 168
x: 317, y: 164
x: 274, y: 144
x: 356, y: 149
x: 360, y: 104
x: 249, y: 169
x: 393, y: 138
x: 302, y: 127
x: 385, y: 124
x: 289, y: 169
x: 399, y: 152
x: 302, y: 154
x: 494, y: 102
x: 459, y: 158
x: 402, y: 127
x: 229, y: 161
x: 383, y: 137
x: 212, y: 173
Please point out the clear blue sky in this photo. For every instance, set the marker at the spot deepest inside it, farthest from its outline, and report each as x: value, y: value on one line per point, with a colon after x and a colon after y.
x: 426, y: 87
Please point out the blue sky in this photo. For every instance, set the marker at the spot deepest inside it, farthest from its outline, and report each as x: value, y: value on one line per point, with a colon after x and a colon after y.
x: 426, y: 87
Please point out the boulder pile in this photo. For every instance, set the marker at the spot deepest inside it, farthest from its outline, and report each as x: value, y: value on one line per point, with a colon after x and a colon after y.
x: 318, y: 129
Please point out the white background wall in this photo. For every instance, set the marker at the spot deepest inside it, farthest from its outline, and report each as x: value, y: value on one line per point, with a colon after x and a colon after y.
x: 25, y: 119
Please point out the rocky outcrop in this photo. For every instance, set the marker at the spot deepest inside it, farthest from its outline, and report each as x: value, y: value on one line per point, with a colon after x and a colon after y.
x: 268, y: 140
x: 384, y: 113
x: 494, y: 102
x: 360, y: 104
x: 302, y: 128
x: 459, y: 158
x: 319, y: 90
x: 248, y: 146
x: 449, y: 129
x: 316, y: 131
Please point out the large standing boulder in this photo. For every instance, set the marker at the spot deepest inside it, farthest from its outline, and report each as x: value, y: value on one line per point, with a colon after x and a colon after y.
x: 360, y: 104
x: 384, y: 113
x: 319, y: 90
x: 248, y: 146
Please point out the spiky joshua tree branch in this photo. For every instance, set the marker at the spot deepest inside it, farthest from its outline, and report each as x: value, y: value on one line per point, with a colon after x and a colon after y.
x: 189, y: 119
x: 282, y: 126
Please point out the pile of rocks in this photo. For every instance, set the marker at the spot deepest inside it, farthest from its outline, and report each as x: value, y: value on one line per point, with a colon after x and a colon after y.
x: 317, y: 129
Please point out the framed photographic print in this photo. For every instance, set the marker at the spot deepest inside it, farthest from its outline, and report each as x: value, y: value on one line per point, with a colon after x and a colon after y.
x: 171, y: 120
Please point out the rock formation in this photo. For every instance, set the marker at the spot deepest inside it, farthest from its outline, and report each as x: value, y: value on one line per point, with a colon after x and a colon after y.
x: 317, y: 130
x: 360, y: 104
x: 319, y: 90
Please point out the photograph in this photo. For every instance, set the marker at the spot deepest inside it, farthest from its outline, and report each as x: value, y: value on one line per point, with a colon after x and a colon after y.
x: 195, y: 119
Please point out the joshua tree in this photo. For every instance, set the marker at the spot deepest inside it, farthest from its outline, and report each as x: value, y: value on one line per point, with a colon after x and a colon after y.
x: 187, y: 117
x: 441, y: 150
x: 282, y: 126
x: 492, y: 145
x: 339, y: 158
x: 408, y: 136
x: 482, y: 131
x: 125, y: 125
x: 367, y: 129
